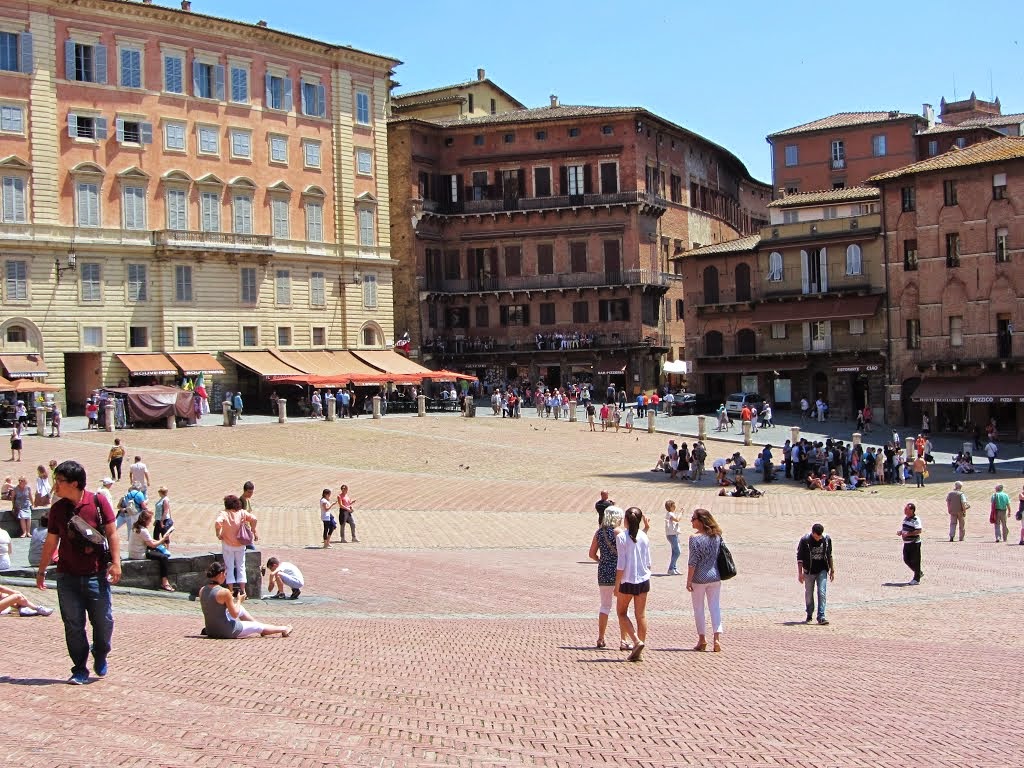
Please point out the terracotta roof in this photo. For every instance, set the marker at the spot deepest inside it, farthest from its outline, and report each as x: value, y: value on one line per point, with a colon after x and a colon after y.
x: 978, y: 122
x: 407, y: 99
x: 846, y: 119
x: 739, y: 245
x: 994, y: 151
x: 539, y: 113
x: 466, y: 84
x: 825, y: 196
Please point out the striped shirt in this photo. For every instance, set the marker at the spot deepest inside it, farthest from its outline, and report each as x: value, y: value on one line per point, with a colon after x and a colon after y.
x: 704, y: 558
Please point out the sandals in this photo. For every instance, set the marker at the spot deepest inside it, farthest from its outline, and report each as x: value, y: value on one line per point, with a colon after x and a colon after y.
x: 702, y: 645
x: 167, y: 587
x: 601, y: 644
x: 717, y: 647
x: 638, y: 652
x: 624, y: 646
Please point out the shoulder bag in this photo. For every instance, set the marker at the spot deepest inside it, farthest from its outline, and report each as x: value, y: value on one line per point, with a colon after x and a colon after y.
x: 726, y: 566
x: 245, y: 534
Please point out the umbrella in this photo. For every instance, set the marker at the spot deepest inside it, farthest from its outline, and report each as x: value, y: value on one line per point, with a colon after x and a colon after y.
x: 31, y: 385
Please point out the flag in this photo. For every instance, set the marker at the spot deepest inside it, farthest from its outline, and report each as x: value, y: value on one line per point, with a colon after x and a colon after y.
x: 403, y: 344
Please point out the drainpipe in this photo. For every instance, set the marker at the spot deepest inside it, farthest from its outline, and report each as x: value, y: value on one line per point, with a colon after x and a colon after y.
x: 888, y: 314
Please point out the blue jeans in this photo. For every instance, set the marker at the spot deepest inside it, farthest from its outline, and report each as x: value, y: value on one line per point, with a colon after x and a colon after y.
x: 81, y: 596
x: 812, y: 580
x: 674, y: 543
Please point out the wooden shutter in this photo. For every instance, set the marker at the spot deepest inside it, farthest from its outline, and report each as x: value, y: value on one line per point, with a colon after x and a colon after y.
x: 805, y: 273
x: 119, y: 128
x: 218, y: 79
x: 72, y: 125
x: 69, y: 59
x: 587, y: 184
x: 145, y: 133
x: 459, y: 183
x: 99, y: 53
x: 321, y: 98
x: 563, y: 180
x: 521, y: 176
x: 499, y: 187
x: 100, y: 127
x: 196, y: 88
x: 25, y: 48
x: 303, y: 103
x: 823, y: 266
x: 287, y: 94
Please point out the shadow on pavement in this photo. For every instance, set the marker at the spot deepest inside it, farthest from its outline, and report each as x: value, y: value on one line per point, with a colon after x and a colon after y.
x: 5, y: 680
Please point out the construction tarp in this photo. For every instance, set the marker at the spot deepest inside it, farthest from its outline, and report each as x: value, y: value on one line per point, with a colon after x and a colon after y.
x: 147, y: 405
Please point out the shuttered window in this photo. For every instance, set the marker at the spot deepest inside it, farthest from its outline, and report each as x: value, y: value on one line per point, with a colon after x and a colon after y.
x: 14, y: 210
x: 88, y: 204
x: 134, y: 204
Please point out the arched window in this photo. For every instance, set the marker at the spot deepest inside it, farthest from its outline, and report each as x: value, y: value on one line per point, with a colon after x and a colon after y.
x: 713, y: 344
x: 775, y: 267
x: 746, y: 342
x: 853, y: 260
x: 370, y: 336
x: 742, y: 282
x: 711, y: 285
x: 16, y: 334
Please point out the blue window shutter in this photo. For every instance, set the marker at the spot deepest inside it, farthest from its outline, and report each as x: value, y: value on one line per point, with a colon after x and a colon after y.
x: 19, y: 200
x: 218, y: 76
x: 126, y: 68
x: 321, y: 98
x: 69, y: 59
x: 302, y: 97
x: 119, y: 126
x: 100, y: 56
x: 268, y: 100
x: 101, y: 127
x: 195, y: 79
x: 72, y: 125
x: 25, y: 45
x: 146, y: 133
x: 287, y: 94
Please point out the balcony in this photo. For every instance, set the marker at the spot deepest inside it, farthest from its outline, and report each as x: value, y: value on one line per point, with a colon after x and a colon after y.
x: 480, y: 347
x: 653, y: 204
x: 985, y: 348
x: 627, y: 278
x: 838, y: 164
x: 814, y: 232
x: 785, y: 349
x: 188, y: 240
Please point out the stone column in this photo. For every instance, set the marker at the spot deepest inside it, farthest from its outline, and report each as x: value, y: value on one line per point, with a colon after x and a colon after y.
x: 746, y: 433
x: 282, y: 410
x: 910, y: 448
x: 702, y: 430
x: 572, y: 410
x: 109, y: 418
x: 794, y: 435
x: 40, y: 421
x: 650, y: 421
x: 421, y: 405
x: 856, y: 438
x: 376, y: 406
x: 172, y: 422
x: 332, y: 408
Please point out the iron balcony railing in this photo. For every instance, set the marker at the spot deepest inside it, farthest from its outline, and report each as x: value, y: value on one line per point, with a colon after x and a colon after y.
x: 482, y: 345
x: 514, y: 203
x: 625, y: 277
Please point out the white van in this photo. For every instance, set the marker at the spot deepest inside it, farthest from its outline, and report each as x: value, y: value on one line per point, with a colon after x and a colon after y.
x: 735, y: 402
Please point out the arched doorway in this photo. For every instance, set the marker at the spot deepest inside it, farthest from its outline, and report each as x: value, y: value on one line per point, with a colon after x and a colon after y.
x: 819, y: 388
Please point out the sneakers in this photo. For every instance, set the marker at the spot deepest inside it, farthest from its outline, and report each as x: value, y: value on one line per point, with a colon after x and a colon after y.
x: 100, y: 668
x: 79, y: 678
x: 26, y: 611
x: 823, y: 622
x: 913, y: 583
x: 295, y: 594
x: 42, y: 610
x: 809, y: 619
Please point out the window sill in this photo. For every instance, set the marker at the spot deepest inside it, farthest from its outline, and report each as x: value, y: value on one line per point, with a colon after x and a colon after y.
x: 22, y: 134
x: 241, y: 158
x: 281, y: 163
x: 83, y: 140
x: 13, y: 73
x: 215, y: 155
x: 312, y: 167
x: 170, y: 151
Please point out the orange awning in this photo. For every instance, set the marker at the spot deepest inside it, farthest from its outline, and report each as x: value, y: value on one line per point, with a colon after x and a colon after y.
x: 24, y: 366
x: 390, y: 362
x: 194, y: 363
x: 148, y: 364
x: 262, y: 363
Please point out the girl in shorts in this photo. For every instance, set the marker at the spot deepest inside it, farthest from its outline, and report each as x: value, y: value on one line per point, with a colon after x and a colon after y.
x: 633, y: 578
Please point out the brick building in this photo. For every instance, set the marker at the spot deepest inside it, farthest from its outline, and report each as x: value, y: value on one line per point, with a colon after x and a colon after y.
x: 541, y: 239
x: 953, y: 234
x: 179, y: 184
x: 964, y: 123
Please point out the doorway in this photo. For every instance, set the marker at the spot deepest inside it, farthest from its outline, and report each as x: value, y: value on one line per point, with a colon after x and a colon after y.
x: 82, y: 374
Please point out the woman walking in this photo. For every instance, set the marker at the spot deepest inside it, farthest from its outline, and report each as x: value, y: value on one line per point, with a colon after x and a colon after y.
x: 633, y: 578
x: 604, y: 552
x: 16, y: 441
x: 227, y: 527
x: 115, y: 458
x: 43, y: 487
x: 672, y: 534
x: 162, y: 516
x: 702, y: 578
x: 326, y: 517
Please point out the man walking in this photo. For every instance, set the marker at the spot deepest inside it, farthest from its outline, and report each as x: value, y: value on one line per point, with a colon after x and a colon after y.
x: 84, y: 576
x: 138, y: 476
x: 910, y: 532
x: 991, y: 451
x: 814, y: 569
x: 1000, y: 508
x: 602, y: 504
x: 957, y: 506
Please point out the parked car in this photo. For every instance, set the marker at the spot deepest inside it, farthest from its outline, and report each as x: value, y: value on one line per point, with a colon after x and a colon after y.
x: 735, y: 402
x: 690, y: 403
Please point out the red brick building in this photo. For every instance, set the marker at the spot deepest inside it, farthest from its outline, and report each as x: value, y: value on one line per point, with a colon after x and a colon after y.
x: 954, y: 253
x: 964, y: 123
x: 541, y: 239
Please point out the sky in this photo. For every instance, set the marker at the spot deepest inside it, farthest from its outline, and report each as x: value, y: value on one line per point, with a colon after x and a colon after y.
x: 733, y: 72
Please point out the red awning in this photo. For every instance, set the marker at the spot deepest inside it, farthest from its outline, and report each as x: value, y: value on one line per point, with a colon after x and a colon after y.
x: 997, y: 388
x: 941, y: 390
x: 610, y: 366
x: 805, y: 310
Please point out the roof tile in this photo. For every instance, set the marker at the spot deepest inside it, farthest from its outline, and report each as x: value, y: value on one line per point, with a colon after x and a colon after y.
x: 739, y: 245
x: 846, y: 119
x: 994, y: 151
x: 825, y: 196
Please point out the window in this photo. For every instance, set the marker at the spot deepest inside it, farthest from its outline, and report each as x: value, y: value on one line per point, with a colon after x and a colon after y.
x: 280, y: 210
x: 610, y: 179
x: 241, y: 214
x: 581, y: 311
x: 831, y: 212
x: 913, y: 334
x: 12, y: 119
x: 952, y: 249
x: 366, y: 234
x: 956, y: 331
x: 509, y: 138
x: 16, y: 281
x: 208, y: 140
x: 494, y: 106
x: 480, y: 191
x: 779, y: 331
x: 541, y: 135
x: 92, y: 336
x: 854, y: 266
x: 137, y: 282
x: 319, y: 336
x: 14, y: 209
x: 542, y: 182
x: 867, y: 208
x: 86, y: 126
x: 241, y: 144
x: 675, y: 188
x: 278, y: 149
x: 452, y: 265
x: 282, y: 287
x: 613, y: 310
x: 838, y: 154
x: 607, y: 130
x: 315, y: 222
x: 909, y: 199
x: 174, y: 136
x: 209, y: 203
x: 131, y: 68
x: 239, y: 84
x: 370, y: 334
x: 250, y: 335
x: 680, y: 310
x: 792, y: 155
x: 174, y: 67
x: 186, y: 336
x: 545, y: 259
x: 469, y: 103
x: 878, y: 145
x: 177, y: 209
x: 133, y: 202
x: 933, y: 148
x: 249, y: 288
x: 513, y: 261
x: 362, y: 107
x: 910, y: 255
x: 949, y: 192
x: 85, y: 63
x: 370, y: 291
x: 138, y: 336
x: 16, y: 52
x: 182, y: 282
x: 87, y: 203
x: 999, y: 186
x: 574, y: 132
x: 478, y: 140
x: 578, y: 257
x: 514, y: 315
x: 314, y: 99
x: 317, y: 289
x: 1002, y: 244
x: 207, y: 80
x: 857, y: 326
x: 575, y: 180
x: 278, y: 92
x: 483, y: 316
x: 961, y: 142
x: 790, y: 217
x: 90, y: 281
x: 133, y: 131
x: 364, y: 162
x: 775, y: 267
x: 547, y: 313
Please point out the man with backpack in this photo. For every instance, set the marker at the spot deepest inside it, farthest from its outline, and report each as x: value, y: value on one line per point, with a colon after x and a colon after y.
x: 814, y: 569
x: 129, y: 507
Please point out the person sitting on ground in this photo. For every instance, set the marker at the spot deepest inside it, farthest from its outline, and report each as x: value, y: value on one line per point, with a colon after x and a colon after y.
x: 281, y: 575
x: 661, y: 464
x: 9, y: 600
x: 224, y: 615
x: 142, y: 546
x: 35, y: 546
x: 813, y: 482
x: 835, y: 481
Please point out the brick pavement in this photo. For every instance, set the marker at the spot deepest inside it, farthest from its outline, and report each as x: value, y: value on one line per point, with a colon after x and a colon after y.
x: 460, y: 631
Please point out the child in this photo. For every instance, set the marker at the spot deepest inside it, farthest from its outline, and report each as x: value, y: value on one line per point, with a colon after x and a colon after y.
x: 281, y: 575
x: 92, y: 410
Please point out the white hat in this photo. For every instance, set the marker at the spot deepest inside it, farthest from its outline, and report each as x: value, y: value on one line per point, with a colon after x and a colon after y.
x: 107, y: 482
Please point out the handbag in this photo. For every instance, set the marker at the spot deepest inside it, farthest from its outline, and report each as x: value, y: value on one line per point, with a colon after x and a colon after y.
x: 87, y: 539
x: 992, y: 514
x: 245, y: 534
x: 724, y: 562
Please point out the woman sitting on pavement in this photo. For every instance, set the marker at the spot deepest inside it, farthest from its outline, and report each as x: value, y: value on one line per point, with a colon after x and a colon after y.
x: 9, y: 599
x: 814, y: 483
x: 224, y: 615
x: 835, y: 481
x: 142, y: 546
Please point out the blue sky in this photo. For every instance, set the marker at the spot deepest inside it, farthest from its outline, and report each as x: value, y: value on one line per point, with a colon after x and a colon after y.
x: 733, y: 72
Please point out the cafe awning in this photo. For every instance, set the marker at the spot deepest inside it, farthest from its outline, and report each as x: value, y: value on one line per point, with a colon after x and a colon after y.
x: 194, y: 363
x: 940, y: 389
x: 262, y: 363
x: 751, y: 366
x: 610, y: 366
x: 28, y: 366
x: 997, y: 388
x: 147, y: 364
x: 390, y: 362
x: 806, y: 310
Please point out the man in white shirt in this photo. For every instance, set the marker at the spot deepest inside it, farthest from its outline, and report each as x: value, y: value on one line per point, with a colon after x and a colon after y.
x: 138, y: 475
x: 281, y: 575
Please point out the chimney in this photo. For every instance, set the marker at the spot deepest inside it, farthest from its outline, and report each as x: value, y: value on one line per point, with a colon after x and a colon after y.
x: 929, y: 114
x: 261, y: 23
x: 186, y: 5
x: 554, y: 101
x: 782, y: 193
x: 481, y: 74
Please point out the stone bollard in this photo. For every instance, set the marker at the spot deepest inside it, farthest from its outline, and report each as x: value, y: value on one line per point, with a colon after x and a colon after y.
x: 172, y: 422
x: 650, y: 421
x: 746, y: 433
x: 40, y: 421
x: 702, y: 430
x: 421, y: 405
x: 572, y: 410
x: 109, y: 418
x: 376, y: 406
x: 794, y: 435
x: 282, y: 410
x: 856, y: 438
x: 226, y: 409
x: 332, y: 408
x: 910, y: 449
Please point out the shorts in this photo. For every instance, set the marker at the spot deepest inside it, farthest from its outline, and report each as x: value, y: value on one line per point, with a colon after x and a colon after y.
x: 15, y: 445
x: 249, y: 629
x: 635, y: 589
x: 25, y: 514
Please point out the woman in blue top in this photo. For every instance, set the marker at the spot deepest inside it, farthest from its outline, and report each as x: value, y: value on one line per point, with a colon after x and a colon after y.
x: 702, y: 578
x: 633, y: 578
x: 603, y: 550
